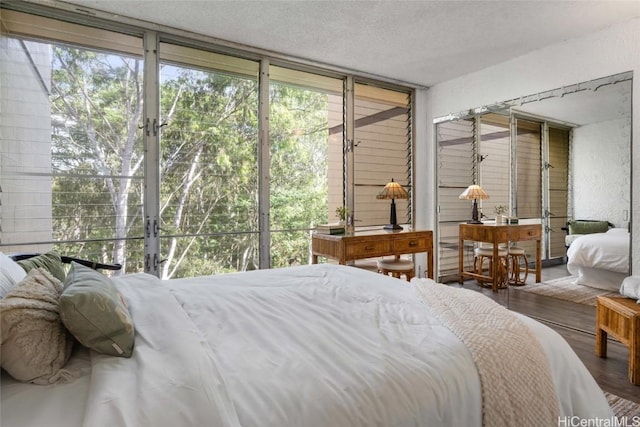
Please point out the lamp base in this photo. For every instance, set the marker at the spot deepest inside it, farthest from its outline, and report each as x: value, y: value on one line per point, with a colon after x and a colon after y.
x: 392, y: 227
x: 474, y: 221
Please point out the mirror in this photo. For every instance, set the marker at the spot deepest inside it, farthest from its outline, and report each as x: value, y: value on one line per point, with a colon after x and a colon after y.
x: 595, y: 117
x: 599, y: 184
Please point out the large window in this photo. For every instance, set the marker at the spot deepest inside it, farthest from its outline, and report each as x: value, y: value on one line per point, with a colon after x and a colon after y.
x: 305, y: 159
x: 71, y: 149
x: 209, y: 152
x: 382, y: 151
x: 176, y: 178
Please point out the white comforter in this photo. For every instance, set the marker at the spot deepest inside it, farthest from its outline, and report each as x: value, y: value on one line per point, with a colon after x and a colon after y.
x: 304, y: 346
x: 600, y: 260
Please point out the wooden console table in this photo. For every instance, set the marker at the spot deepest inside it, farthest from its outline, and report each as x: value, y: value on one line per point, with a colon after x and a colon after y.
x: 372, y: 243
x: 497, y: 234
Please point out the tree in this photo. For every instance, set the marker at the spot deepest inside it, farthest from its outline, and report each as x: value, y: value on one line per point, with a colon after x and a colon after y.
x: 209, y: 156
x: 96, y: 147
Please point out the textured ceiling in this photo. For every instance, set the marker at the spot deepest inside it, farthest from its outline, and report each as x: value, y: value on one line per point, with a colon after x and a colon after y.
x: 418, y: 42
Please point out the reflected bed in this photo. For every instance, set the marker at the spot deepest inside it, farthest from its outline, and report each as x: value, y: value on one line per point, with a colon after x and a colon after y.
x: 600, y: 260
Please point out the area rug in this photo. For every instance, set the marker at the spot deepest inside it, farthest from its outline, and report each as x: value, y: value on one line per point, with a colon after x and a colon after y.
x: 623, y: 408
x: 563, y: 288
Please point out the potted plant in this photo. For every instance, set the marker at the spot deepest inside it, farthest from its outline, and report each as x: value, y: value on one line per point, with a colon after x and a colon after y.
x: 500, y: 211
x: 342, y: 212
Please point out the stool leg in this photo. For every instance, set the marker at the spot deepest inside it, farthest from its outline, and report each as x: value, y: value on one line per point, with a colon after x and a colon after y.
x: 503, y: 275
x: 518, y: 274
x: 478, y: 266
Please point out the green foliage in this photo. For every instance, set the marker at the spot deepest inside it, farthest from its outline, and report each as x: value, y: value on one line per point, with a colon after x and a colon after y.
x: 208, y: 166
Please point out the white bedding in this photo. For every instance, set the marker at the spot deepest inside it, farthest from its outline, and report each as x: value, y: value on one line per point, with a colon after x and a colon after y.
x: 600, y: 260
x: 318, y: 345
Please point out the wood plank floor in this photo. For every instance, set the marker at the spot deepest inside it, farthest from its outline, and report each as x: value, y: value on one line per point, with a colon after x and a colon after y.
x: 576, y: 323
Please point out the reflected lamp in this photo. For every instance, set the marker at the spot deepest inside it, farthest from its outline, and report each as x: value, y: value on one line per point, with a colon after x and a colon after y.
x: 474, y: 192
x: 393, y: 190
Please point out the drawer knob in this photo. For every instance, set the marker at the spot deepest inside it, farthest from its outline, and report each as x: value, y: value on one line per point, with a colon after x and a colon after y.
x: 413, y: 243
x: 369, y: 248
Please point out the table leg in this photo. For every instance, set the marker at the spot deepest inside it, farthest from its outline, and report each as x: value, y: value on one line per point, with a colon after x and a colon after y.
x: 495, y: 268
x: 430, y: 265
x: 460, y: 263
x: 538, y: 261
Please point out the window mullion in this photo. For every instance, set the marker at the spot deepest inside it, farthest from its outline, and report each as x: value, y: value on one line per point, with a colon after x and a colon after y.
x: 264, y: 166
x: 349, y: 135
x: 151, y: 139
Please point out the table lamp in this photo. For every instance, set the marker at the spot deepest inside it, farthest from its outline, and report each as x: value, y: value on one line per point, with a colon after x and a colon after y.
x: 393, y: 190
x: 474, y: 192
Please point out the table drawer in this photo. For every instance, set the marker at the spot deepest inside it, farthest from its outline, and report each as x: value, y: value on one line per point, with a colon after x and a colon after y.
x: 411, y: 245
x: 520, y: 234
x: 367, y: 249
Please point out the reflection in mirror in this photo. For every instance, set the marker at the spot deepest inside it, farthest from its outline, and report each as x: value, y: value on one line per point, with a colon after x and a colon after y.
x: 552, y: 158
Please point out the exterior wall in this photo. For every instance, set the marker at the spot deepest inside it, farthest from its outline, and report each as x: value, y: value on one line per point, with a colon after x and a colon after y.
x: 25, y: 144
x: 600, y: 54
x: 602, y: 147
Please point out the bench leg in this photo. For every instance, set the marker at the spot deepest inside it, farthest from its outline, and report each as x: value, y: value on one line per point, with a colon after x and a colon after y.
x: 601, y: 343
x: 634, y: 353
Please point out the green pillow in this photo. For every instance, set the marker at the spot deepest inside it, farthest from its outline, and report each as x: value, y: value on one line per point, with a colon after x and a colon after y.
x: 50, y: 261
x: 588, y: 227
x: 93, y: 310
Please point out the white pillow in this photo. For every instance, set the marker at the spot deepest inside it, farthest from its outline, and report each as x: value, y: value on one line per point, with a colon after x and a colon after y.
x: 630, y: 287
x: 10, y: 274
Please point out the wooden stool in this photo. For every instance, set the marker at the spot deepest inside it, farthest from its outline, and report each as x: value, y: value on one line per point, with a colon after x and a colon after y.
x: 486, y: 254
x: 396, y: 267
x: 517, y: 274
x: 620, y: 317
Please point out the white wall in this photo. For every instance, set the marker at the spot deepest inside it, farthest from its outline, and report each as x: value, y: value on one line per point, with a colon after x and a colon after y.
x: 600, y: 165
x: 600, y: 54
x: 25, y: 144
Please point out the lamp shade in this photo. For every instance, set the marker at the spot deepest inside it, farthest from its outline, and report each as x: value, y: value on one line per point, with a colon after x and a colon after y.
x: 393, y: 190
x: 474, y: 192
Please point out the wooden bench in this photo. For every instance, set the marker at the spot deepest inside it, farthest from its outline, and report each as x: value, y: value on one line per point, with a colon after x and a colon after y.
x: 620, y: 317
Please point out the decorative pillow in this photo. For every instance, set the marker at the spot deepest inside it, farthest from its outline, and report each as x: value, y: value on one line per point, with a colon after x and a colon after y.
x: 94, y: 311
x: 588, y: 227
x: 10, y: 274
x: 50, y: 261
x: 35, y: 343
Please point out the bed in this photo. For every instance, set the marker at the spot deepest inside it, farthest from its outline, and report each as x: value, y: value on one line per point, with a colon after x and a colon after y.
x: 600, y: 260
x: 317, y: 345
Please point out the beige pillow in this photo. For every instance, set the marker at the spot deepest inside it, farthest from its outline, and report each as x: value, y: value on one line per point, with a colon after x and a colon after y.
x: 35, y: 343
x: 93, y: 310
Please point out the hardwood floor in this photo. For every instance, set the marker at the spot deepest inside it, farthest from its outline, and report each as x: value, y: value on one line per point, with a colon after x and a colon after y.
x: 576, y: 324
